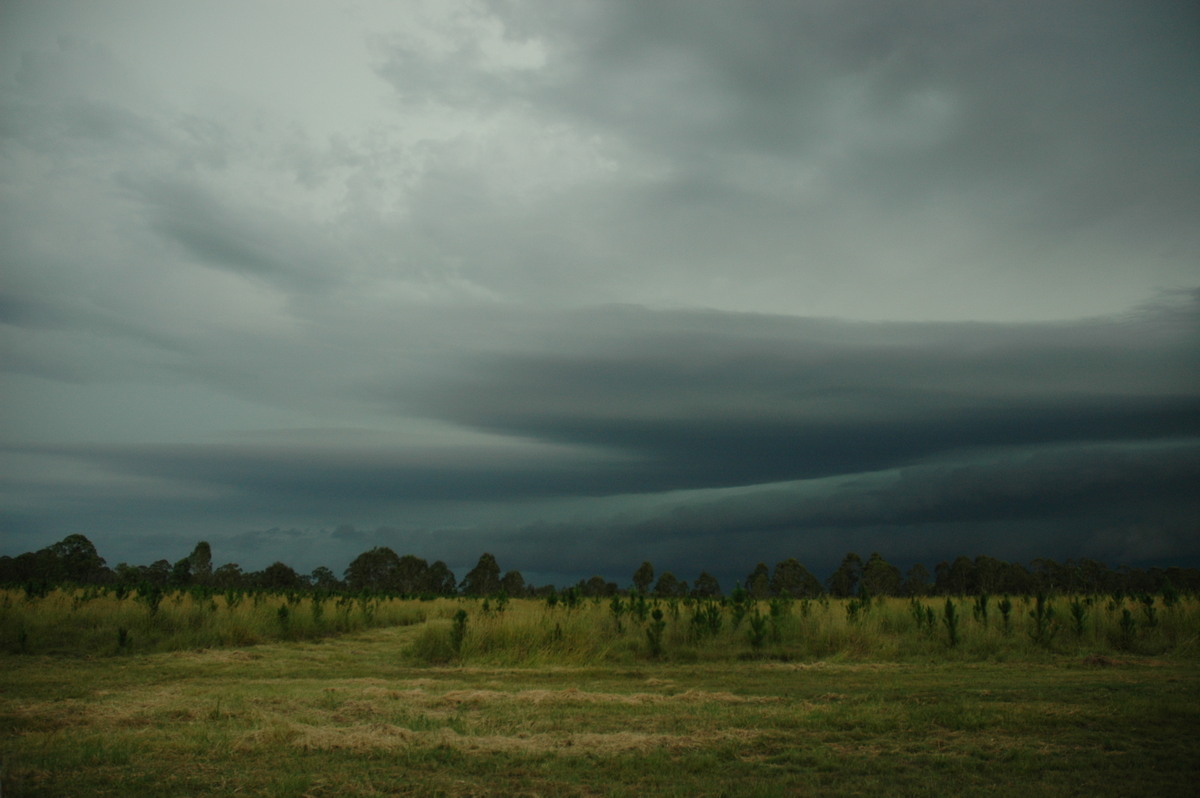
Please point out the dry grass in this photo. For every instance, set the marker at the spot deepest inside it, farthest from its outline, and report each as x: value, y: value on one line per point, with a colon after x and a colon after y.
x: 386, y: 737
x: 358, y: 716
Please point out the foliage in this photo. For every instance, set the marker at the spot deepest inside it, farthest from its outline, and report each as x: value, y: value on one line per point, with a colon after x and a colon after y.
x: 950, y: 620
x: 1044, y: 625
x: 643, y: 577
x: 483, y: 579
x: 844, y: 581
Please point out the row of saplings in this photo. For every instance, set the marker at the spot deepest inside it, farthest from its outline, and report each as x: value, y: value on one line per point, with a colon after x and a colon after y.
x: 707, y: 615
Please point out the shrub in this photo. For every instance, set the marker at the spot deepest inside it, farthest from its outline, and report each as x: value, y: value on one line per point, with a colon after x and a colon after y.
x: 950, y: 619
x: 458, y: 632
x: 654, y: 632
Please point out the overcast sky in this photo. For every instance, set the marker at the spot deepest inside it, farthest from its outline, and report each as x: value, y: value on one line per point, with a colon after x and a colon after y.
x: 587, y: 283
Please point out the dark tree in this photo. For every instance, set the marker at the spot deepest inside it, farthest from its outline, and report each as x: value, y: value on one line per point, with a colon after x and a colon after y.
x: 706, y: 586
x: 962, y: 577
x: 844, y: 580
x: 1093, y: 575
x: 1051, y: 576
x: 77, y: 561
x: 513, y: 584
x: 643, y: 577
x: 278, y: 576
x: 127, y: 574
x: 201, y: 562
x: 373, y: 570
x: 793, y: 579
x: 158, y: 573
x: 442, y: 581
x: 758, y: 582
x: 411, y: 576
x: 989, y: 574
x: 596, y: 586
x: 879, y: 577
x: 916, y: 581
x: 668, y: 585
x: 181, y: 573
x: 323, y: 578
x: 483, y: 579
x: 228, y: 576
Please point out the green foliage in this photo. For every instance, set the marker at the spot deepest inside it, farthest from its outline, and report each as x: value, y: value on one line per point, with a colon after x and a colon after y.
x: 1005, y: 606
x: 844, y: 581
x: 654, y: 632
x: 1149, y: 612
x: 1127, y: 630
x: 980, y: 609
x: 484, y: 578
x: 151, y: 596
x: 707, y: 619
x: 950, y: 620
x: 739, y: 602
x: 791, y: 579
x: 1078, y: 616
x: 643, y: 577
x: 618, y: 609
x: 458, y: 632
x: 638, y: 607
x: 1170, y: 596
x: 757, y: 633
x: 853, y: 606
x: 1044, y: 626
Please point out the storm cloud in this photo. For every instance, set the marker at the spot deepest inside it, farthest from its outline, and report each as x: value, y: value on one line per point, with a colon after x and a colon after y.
x: 586, y: 283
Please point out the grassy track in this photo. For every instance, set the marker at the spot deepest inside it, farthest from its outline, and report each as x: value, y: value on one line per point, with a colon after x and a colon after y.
x: 356, y: 715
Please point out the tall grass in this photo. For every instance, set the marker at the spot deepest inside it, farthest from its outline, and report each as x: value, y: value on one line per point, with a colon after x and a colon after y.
x: 98, y: 621
x: 527, y: 632
x: 530, y: 633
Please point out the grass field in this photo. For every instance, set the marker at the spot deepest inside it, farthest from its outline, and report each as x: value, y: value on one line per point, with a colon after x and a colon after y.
x: 538, y: 701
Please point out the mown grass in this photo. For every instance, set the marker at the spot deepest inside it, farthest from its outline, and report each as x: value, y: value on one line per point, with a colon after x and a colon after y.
x: 353, y: 716
x: 557, y: 701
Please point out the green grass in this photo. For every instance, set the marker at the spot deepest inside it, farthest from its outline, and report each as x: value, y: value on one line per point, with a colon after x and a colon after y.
x: 557, y: 701
x: 353, y: 716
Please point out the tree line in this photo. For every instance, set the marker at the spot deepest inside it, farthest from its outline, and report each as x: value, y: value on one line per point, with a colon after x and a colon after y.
x: 75, y: 560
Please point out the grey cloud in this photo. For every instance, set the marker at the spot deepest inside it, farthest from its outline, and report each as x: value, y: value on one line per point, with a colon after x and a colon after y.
x: 712, y: 401
x: 193, y: 256
x: 1092, y: 501
x: 804, y: 142
x: 249, y: 241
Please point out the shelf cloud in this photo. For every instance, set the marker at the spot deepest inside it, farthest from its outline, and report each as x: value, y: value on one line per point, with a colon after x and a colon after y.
x: 583, y: 284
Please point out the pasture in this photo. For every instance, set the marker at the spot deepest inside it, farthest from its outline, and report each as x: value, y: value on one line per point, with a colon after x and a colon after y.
x: 522, y: 698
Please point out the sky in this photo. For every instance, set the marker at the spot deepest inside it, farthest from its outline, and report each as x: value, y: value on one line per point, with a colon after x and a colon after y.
x: 585, y: 283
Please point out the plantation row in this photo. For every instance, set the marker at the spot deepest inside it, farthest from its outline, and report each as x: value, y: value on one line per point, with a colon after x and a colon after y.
x: 741, y: 627
x: 75, y: 561
x: 100, y: 620
x: 569, y: 629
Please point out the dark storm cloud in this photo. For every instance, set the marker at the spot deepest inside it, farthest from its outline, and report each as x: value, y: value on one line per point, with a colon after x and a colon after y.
x: 1023, y: 423
x: 1126, y: 504
x: 714, y: 399
x: 267, y: 280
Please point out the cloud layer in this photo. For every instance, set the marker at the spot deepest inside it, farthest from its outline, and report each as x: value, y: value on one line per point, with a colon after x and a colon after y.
x: 584, y: 283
